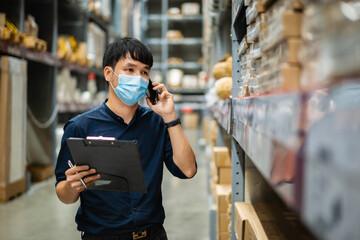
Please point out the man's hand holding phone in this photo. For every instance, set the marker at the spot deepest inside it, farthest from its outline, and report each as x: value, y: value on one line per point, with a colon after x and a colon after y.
x: 165, y: 103
x: 152, y: 94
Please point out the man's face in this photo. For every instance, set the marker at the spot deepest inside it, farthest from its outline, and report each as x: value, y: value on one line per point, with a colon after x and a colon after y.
x: 130, y: 66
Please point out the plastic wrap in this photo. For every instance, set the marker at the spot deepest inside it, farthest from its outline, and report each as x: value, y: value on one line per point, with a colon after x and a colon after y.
x: 253, y: 30
x: 341, y: 55
x: 285, y: 77
x: 331, y: 34
x: 281, y: 22
x: 254, y: 86
x: 255, y: 51
x: 251, y: 12
x: 96, y: 44
x: 286, y: 51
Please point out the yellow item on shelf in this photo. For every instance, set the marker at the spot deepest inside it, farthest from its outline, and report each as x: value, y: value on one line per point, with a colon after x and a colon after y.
x: 220, y: 70
x: 223, y: 87
x: 11, y: 26
x: 229, y: 65
x: 174, y: 34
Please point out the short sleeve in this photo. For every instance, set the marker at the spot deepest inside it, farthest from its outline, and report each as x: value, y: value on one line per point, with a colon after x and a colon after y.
x: 169, y: 162
x: 70, y: 130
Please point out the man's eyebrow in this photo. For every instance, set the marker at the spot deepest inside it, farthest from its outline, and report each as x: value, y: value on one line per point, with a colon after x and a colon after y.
x: 131, y: 65
x: 134, y: 65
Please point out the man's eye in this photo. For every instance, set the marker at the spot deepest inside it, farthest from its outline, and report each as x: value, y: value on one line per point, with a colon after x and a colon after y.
x: 145, y: 73
x: 130, y: 69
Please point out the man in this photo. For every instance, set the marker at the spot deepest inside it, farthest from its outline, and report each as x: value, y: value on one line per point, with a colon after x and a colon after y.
x: 123, y: 215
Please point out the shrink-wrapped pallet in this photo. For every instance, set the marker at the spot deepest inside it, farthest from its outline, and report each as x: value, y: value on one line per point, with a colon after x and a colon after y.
x: 13, y: 104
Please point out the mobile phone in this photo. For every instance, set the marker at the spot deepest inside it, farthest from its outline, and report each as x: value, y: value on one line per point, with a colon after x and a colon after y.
x: 152, y: 94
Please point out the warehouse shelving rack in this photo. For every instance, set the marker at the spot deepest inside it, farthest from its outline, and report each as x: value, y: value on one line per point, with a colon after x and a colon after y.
x: 156, y: 23
x: 53, y: 18
x: 301, y: 143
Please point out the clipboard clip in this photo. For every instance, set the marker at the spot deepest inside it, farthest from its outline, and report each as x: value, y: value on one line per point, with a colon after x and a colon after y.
x: 100, y: 138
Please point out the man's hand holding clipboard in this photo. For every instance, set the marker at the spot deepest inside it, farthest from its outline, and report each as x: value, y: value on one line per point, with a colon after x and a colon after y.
x: 80, y: 177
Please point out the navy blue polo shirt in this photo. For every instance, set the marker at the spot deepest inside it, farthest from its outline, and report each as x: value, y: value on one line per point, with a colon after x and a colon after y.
x: 110, y: 212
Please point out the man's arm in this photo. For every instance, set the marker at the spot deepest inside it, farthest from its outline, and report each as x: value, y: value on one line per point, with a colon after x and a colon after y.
x: 68, y: 191
x: 183, y: 155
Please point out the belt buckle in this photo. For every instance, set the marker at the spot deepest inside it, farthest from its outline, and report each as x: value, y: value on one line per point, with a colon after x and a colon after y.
x: 139, y: 235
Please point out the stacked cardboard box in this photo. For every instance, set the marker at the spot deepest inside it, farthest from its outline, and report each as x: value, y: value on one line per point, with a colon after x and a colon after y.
x: 279, y: 42
x: 210, y: 131
x: 13, y: 103
x: 228, y: 214
x: 269, y: 51
x: 249, y: 51
x: 220, y: 167
x: 222, y: 203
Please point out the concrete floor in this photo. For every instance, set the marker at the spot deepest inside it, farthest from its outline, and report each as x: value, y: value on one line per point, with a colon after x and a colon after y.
x: 39, y: 215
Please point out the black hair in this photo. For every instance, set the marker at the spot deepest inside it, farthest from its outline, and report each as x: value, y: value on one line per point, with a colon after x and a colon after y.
x: 120, y: 48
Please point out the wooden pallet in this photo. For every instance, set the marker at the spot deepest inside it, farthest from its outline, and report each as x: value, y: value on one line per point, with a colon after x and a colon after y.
x: 35, y: 43
x: 12, y: 190
x: 40, y: 173
x: 5, y: 33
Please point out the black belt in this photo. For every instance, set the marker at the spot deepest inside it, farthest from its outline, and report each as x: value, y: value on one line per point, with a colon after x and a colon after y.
x: 123, y: 236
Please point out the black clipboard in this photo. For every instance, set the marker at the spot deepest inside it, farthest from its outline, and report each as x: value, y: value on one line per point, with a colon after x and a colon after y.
x: 117, y: 161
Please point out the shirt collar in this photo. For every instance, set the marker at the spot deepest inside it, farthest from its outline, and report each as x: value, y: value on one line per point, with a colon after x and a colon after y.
x: 137, y: 114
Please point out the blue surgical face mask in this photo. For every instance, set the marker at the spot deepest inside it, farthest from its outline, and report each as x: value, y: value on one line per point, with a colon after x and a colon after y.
x: 131, y: 89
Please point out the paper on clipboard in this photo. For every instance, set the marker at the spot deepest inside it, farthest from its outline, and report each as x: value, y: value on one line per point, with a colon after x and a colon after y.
x: 117, y: 161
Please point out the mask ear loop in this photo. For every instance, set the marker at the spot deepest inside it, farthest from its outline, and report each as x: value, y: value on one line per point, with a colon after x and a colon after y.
x: 114, y: 72
x: 110, y: 81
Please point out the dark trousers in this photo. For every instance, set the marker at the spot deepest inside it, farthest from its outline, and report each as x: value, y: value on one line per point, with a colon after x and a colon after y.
x: 154, y: 233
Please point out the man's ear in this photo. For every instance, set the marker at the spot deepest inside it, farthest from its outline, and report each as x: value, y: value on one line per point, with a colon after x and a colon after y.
x: 107, y: 73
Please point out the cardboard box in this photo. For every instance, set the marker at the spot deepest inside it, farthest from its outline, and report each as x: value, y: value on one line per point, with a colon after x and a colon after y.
x: 220, y: 175
x: 190, y: 120
x: 205, y: 127
x: 292, y: 23
x: 241, y: 214
x: 224, y: 175
x: 213, y: 171
x: 222, y: 222
x: 293, y: 45
x: 256, y: 221
x: 285, y: 77
x: 213, y: 130
x: 223, y: 236
x: 288, y: 26
x: 285, y: 52
x: 221, y: 192
x: 290, y: 75
x: 13, y: 104
x: 2, y: 19
x: 222, y: 157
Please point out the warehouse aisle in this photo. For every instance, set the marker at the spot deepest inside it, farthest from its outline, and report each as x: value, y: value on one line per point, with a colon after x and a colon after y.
x: 39, y: 215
